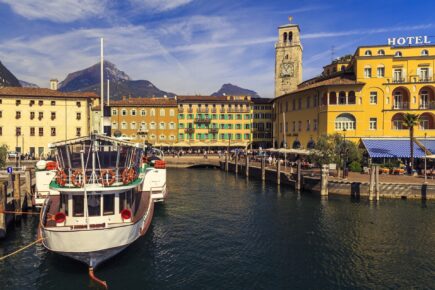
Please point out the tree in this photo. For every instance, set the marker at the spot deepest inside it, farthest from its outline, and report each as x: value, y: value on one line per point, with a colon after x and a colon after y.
x: 410, y: 121
x: 3, y: 155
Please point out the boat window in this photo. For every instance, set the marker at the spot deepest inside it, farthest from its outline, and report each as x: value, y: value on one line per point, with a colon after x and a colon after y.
x: 78, y: 206
x: 122, y: 201
x: 64, y: 203
x: 108, y: 204
x: 94, y: 205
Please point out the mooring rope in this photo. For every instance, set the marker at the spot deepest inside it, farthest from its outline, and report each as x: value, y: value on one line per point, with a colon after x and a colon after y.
x: 21, y: 249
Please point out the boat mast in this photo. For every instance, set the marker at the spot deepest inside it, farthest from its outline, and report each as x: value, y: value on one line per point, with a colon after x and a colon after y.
x: 102, y: 85
x: 108, y: 92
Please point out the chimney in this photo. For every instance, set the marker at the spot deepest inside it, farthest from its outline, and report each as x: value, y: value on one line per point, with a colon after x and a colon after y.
x: 124, y: 98
x: 53, y: 84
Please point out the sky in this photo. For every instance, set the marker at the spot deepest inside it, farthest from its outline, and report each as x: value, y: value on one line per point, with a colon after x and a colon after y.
x: 194, y: 46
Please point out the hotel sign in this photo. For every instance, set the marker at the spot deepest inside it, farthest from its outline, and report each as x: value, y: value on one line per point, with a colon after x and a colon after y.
x: 409, y: 40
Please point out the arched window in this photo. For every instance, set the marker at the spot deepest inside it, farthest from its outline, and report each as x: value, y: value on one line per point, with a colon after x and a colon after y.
x: 152, y: 125
x: 124, y: 125
x: 342, y: 98
x: 424, y: 52
x: 284, y: 37
x: 143, y: 113
x: 381, y: 52
x: 426, y: 121
x: 368, y: 53
x: 290, y: 37
x: 351, y: 99
x: 426, y: 98
x: 162, y: 125
x: 162, y: 112
x: 397, y: 122
x: 332, y: 98
x: 345, y: 122
x: 162, y: 137
x: 398, y: 54
x: 171, y: 112
x: 133, y: 125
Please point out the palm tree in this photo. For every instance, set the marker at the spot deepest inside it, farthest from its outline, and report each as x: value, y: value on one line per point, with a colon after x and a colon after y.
x: 410, y: 121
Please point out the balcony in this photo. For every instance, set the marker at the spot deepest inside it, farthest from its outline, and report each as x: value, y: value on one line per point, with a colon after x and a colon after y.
x: 398, y: 80
x: 202, y: 120
x: 189, y: 130
x: 427, y: 106
x: 213, y: 130
x: 425, y: 79
x: 401, y: 106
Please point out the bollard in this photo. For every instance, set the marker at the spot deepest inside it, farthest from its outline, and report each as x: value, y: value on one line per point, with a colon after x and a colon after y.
x: 372, y: 181
x: 247, y: 166
x: 278, y: 172
x: 3, y: 201
x: 236, y: 164
x: 29, y: 188
x: 377, y: 182
x: 17, y: 196
x: 324, y: 180
x: 226, y: 162
x: 299, y: 176
x: 263, y: 168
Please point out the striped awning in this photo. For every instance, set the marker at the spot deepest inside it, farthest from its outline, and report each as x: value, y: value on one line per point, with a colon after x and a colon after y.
x: 391, y: 148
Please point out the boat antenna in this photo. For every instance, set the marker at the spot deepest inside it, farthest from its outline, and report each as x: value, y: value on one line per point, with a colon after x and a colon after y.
x: 102, y: 84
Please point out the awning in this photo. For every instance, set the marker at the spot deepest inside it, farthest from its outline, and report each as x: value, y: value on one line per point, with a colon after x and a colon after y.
x: 428, y: 144
x: 391, y: 148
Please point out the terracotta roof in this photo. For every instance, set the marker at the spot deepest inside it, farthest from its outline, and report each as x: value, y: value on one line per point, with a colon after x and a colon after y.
x: 168, y: 102
x: 212, y: 99
x: 43, y: 92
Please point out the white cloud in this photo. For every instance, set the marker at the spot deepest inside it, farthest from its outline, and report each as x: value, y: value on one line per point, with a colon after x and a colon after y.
x: 57, y: 10
x: 160, y: 5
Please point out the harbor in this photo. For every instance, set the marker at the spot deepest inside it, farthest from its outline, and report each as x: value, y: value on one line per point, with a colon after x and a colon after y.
x: 256, y: 234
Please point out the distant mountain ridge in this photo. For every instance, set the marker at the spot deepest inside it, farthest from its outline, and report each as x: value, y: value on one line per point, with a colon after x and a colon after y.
x: 121, y: 84
x: 8, y: 79
x: 25, y: 84
x: 233, y: 90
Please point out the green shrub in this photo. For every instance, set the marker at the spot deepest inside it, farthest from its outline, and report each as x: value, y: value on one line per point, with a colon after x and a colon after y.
x: 355, y: 166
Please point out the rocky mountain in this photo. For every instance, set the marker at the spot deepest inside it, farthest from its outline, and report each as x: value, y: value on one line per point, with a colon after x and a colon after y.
x: 7, y: 79
x: 230, y: 89
x: 25, y: 84
x: 120, y: 83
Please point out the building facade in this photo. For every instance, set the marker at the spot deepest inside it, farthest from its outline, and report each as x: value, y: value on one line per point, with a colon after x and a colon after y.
x: 215, y: 121
x: 364, y: 95
x: 31, y: 118
x: 262, y: 110
x: 150, y: 120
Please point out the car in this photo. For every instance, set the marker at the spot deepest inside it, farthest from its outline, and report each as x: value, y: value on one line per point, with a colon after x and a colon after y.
x: 12, y: 154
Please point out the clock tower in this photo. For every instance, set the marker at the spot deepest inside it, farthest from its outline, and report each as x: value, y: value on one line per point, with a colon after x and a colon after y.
x: 288, y: 59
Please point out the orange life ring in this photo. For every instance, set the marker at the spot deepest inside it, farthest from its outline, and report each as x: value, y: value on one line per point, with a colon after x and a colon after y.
x: 61, y: 177
x: 125, y: 176
x: 76, y: 180
x: 132, y: 174
x: 110, y: 180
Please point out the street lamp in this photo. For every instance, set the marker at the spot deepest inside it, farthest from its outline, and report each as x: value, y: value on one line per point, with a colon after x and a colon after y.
x: 344, y: 153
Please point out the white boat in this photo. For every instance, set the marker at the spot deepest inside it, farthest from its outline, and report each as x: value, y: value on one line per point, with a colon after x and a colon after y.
x: 45, y: 172
x: 155, y: 175
x: 101, y: 208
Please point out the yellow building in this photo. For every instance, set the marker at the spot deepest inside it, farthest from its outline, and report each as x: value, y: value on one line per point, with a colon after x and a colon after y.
x: 151, y: 120
x: 30, y: 118
x: 364, y: 95
x: 215, y: 121
x: 262, y: 123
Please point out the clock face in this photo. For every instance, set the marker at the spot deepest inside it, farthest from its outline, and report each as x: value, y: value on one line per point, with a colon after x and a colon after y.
x: 287, y: 69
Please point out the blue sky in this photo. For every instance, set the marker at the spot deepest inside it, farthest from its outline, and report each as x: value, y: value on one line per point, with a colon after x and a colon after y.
x: 194, y: 46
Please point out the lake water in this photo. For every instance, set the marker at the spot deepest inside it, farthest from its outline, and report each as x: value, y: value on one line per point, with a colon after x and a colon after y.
x: 219, y: 231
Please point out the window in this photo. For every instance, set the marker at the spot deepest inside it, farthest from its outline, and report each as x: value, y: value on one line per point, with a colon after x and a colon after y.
x: 373, y: 124
x: 381, y: 71
x: 1, y: 131
x: 32, y: 115
x: 381, y: 52
x: 123, y: 112
x: 78, y: 116
x: 78, y: 205
x: 78, y: 104
x: 424, y: 74
x: 53, y: 115
x: 368, y: 53
x: 299, y: 126
x: 345, y: 122
x: 114, y: 125
x: 114, y: 112
x: 162, y: 112
x: 294, y: 104
x: 152, y: 125
x: 315, y: 125
x: 397, y: 75
x: 172, y: 137
x: 153, y: 112
x: 17, y: 131
x: 32, y: 131
x: 53, y: 103
x: 351, y: 98
x: 40, y: 102
x: 18, y: 102
x: 162, y: 137
x: 373, y: 98
x: 133, y: 112
x: 162, y: 125
x: 53, y: 131
x: 108, y: 204
x: 41, y: 131
x: 308, y: 125
x: 342, y: 98
x: 172, y: 125
x: 424, y: 52
x: 40, y: 115
x: 17, y: 115
x: 143, y: 113
x: 294, y: 126
x: 152, y: 137
x: 78, y: 131
x: 133, y: 125
x: 368, y: 72
x: 398, y: 54
x: 172, y: 112
x: 300, y: 103
x: 1, y: 114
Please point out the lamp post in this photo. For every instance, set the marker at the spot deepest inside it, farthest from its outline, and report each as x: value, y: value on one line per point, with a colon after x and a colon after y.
x: 344, y: 153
